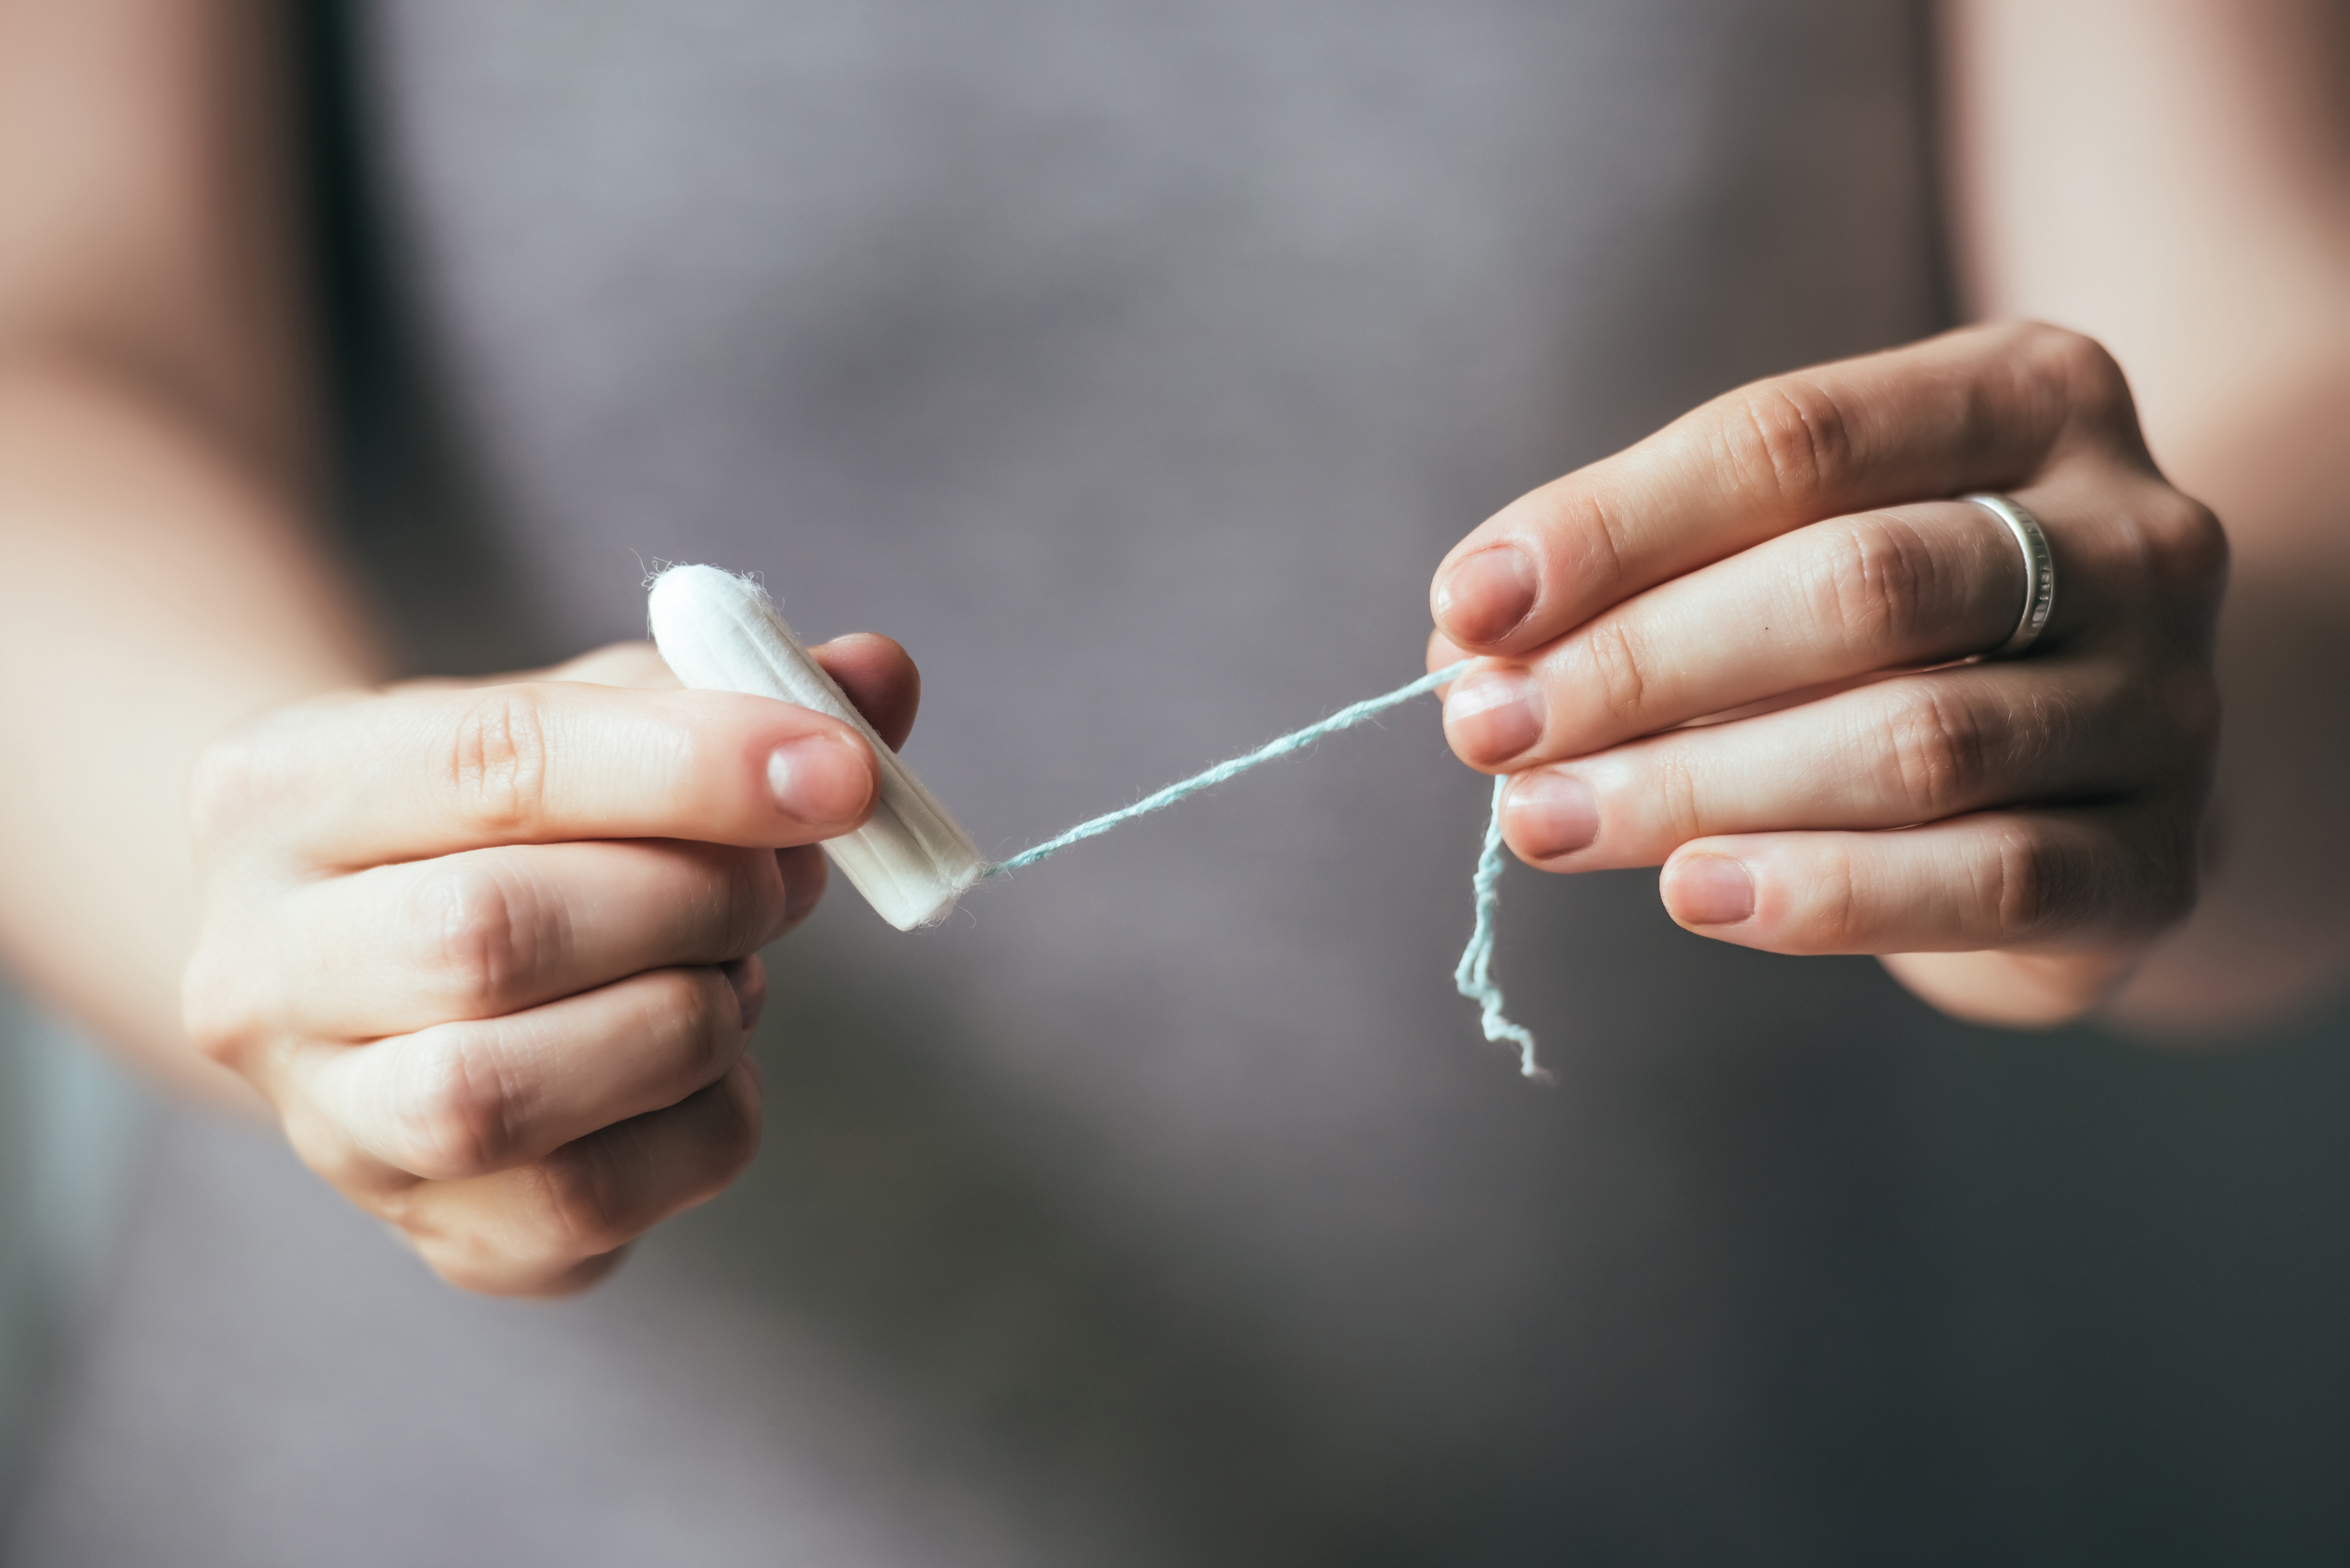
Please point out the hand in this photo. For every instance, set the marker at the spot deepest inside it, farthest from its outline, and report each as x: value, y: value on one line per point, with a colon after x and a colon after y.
x: 490, y: 951
x: 1787, y: 562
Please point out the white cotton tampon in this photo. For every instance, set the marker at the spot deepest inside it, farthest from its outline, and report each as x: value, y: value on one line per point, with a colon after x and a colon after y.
x: 720, y: 633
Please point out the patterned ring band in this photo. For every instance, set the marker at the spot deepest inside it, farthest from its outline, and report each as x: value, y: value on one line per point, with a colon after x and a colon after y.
x: 2039, y: 572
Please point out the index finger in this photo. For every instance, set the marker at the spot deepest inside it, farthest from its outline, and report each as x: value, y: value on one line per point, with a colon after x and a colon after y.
x: 367, y: 780
x: 1983, y: 409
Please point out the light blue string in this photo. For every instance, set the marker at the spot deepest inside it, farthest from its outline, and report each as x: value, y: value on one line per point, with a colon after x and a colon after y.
x: 1473, y: 977
x: 1343, y: 719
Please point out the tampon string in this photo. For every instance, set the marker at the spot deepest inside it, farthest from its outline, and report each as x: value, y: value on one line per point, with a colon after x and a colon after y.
x: 721, y: 632
x: 1473, y: 977
x: 1343, y: 719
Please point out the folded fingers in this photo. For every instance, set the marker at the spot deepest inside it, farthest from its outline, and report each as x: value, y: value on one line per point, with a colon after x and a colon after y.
x: 473, y: 1098
x: 558, y: 1224
x: 492, y: 931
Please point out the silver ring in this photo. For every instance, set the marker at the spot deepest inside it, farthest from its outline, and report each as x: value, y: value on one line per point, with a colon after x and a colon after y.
x: 2039, y: 572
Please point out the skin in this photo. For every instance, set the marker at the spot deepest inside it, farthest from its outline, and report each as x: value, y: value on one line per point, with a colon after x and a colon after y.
x: 487, y: 950
x: 1771, y: 551
x: 2021, y: 842
x: 490, y: 951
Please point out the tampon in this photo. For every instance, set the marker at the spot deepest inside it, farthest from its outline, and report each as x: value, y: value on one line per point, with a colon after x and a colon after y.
x: 719, y: 632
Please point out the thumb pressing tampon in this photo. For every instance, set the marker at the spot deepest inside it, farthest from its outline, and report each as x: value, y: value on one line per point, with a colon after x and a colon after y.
x: 720, y: 633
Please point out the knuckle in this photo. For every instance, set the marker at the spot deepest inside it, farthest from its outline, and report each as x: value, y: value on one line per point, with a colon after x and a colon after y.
x: 1870, y: 581
x: 702, y: 1035
x: 321, y: 1143
x: 2170, y: 553
x: 474, y: 933
x: 2073, y: 360
x: 1840, y: 919
x: 757, y: 900
x: 2190, y: 547
x: 1937, y: 750
x: 491, y: 1262
x: 1578, y: 521
x: 1794, y: 431
x: 581, y: 1202
x: 498, y: 758
x: 1679, y: 796
x: 2032, y: 889
x: 1619, y: 675
x: 2076, y: 368
x: 802, y: 874
x: 456, y: 1114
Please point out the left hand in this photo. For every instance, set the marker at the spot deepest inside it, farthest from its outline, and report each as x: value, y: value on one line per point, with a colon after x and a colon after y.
x: 1788, y: 562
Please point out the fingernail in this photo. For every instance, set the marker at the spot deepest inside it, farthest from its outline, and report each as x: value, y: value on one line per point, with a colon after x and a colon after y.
x: 1710, y: 890
x: 749, y: 978
x: 1482, y: 597
x: 1493, y: 714
x: 821, y: 779
x: 1549, y: 814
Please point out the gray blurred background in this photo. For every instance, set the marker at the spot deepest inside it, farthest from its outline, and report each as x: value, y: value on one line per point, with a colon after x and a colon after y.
x: 70, y: 1126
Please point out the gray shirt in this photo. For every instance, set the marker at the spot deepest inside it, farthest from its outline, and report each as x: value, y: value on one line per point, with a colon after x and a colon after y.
x: 1133, y: 364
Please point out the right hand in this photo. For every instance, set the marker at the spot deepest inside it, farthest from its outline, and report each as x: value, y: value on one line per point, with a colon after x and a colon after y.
x: 490, y: 950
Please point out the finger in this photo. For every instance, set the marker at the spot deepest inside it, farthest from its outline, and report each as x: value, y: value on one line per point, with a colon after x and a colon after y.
x: 1913, y: 749
x: 356, y: 782
x: 2042, y: 879
x: 877, y: 674
x: 1983, y: 409
x: 556, y: 1225
x: 492, y: 931
x: 1443, y: 653
x: 468, y: 1099
x: 805, y: 874
x: 1906, y: 585
x: 879, y: 678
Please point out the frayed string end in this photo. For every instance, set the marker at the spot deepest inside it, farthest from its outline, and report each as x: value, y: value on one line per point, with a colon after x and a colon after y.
x: 1473, y: 977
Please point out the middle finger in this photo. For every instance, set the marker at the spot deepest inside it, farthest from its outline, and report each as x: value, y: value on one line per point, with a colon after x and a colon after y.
x: 492, y: 931
x: 1904, y: 585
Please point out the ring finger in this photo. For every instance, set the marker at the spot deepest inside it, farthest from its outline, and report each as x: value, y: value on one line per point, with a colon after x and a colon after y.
x: 1904, y: 585
x: 492, y: 931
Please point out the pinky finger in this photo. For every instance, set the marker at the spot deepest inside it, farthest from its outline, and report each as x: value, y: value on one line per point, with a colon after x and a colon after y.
x: 2045, y: 879
x: 558, y: 1225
